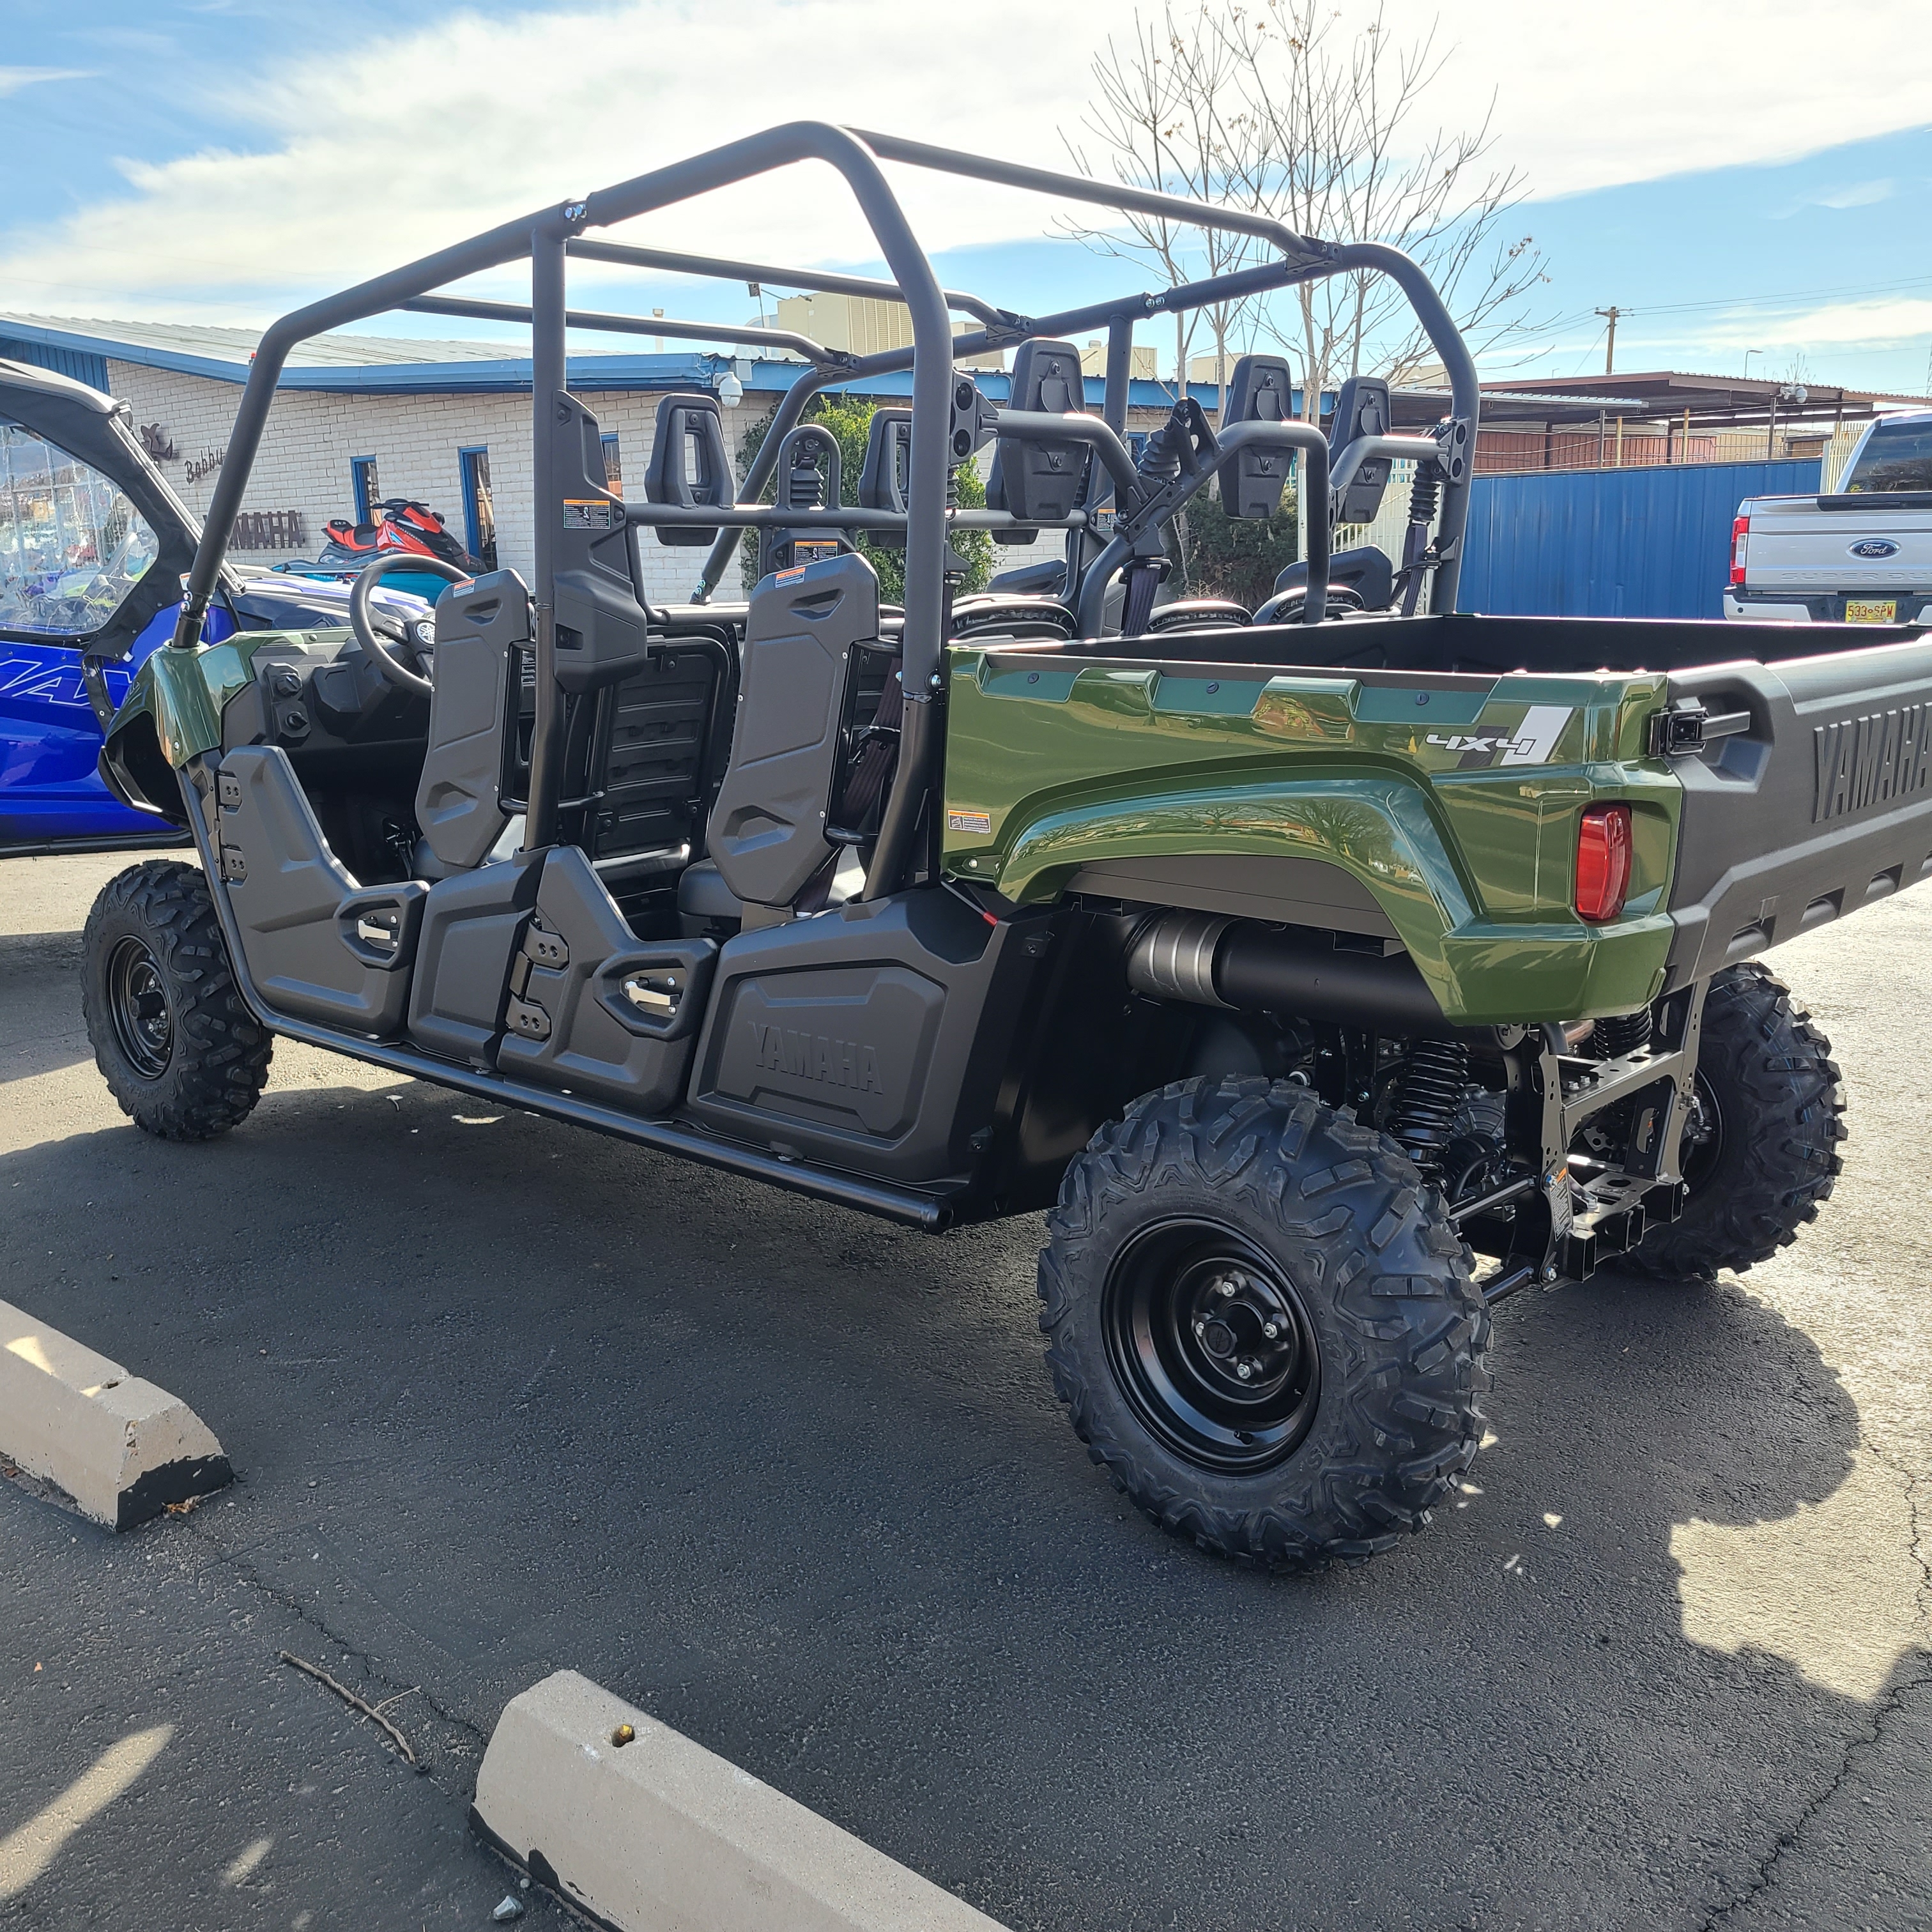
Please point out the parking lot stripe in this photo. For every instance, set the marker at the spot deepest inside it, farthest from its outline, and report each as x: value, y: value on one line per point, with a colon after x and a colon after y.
x: 635, y: 1824
x: 120, y: 1449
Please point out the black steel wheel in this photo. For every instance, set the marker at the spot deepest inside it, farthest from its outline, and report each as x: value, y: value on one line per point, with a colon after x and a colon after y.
x: 1761, y: 1144
x: 137, y: 1001
x: 1263, y: 1324
x: 1212, y: 1346
x: 178, y: 1048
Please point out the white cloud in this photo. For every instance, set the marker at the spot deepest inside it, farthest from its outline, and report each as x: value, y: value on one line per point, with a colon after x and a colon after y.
x: 1588, y: 97
x: 389, y: 149
x: 13, y: 79
x: 394, y: 149
x: 1886, y: 322
x: 1865, y: 194
x: 1860, y: 194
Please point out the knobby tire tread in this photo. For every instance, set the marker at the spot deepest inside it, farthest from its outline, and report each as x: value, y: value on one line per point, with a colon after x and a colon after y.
x: 220, y: 1054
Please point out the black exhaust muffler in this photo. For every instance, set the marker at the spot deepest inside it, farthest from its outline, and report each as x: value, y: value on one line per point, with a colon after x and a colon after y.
x: 1209, y: 959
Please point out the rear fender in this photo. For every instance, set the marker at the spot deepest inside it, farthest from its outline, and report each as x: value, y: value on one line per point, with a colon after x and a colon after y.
x: 1451, y: 801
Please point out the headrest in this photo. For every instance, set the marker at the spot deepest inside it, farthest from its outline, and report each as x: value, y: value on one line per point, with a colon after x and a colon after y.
x: 1040, y: 479
x: 1361, y: 410
x: 882, y: 482
x: 689, y: 465
x: 1260, y: 389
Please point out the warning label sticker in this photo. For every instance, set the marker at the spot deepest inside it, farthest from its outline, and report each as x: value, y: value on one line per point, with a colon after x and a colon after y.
x: 981, y: 822
x: 592, y: 513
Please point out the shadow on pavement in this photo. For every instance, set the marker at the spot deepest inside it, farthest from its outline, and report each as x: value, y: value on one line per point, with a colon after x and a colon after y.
x: 42, y: 1030
x: 794, y: 1481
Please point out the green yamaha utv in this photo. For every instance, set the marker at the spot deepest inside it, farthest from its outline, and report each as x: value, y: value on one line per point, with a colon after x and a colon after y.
x: 1289, y: 959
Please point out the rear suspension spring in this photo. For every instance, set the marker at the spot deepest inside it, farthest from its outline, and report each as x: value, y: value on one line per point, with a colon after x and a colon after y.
x: 1429, y: 1097
x: 1625, y: 1033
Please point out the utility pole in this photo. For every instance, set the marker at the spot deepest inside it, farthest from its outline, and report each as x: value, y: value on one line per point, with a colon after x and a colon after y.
x: 1610, y: 347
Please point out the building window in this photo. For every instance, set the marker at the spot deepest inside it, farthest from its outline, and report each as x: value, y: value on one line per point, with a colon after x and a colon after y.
x: 613, y: 467
x: 367, y: 490
x: 479, y: 514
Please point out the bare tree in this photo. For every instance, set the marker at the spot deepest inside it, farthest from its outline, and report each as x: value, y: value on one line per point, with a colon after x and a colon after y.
x: 1275, y: 108
x: 1168, y: 114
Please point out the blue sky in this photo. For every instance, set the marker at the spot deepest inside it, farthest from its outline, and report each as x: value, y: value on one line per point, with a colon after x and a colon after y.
x: 223, y: 159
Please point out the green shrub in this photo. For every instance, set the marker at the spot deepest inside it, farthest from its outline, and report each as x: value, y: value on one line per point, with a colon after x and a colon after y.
x: 850, y: 418
x: 1222, y: 556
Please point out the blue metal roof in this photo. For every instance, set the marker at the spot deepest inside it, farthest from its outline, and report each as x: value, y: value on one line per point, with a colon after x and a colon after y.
x: 80, y: 364
x: 483, y: 374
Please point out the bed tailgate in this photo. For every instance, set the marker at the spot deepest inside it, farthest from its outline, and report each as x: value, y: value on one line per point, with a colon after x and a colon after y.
x: 1811, y: 798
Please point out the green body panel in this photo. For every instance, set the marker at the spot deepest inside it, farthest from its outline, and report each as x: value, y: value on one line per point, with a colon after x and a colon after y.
x: 184, y: 691
x: 1453, y: 800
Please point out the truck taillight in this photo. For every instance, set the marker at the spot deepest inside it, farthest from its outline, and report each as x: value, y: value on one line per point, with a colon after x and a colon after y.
x: 1740, y: 537
x: 1603, y: 861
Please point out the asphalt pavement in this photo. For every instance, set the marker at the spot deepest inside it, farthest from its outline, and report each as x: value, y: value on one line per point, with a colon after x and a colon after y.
x: 504, y: 1397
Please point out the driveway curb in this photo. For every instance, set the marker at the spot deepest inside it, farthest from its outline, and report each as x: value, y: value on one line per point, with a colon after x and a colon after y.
x: 119, y: 1448
x: 658, y: 1835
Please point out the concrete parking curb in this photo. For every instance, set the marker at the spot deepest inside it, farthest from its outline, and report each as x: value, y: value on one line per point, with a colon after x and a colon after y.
x: 119, y: 1448
x: 656, y: 1834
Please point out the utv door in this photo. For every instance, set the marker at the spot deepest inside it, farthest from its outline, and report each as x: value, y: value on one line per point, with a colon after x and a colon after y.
x: 92, y: 546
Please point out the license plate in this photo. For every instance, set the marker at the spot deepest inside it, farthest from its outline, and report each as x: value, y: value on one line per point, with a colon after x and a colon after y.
x: 1871, y: 609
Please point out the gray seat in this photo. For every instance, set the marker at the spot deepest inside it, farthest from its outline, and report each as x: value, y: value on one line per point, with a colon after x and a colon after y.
x: 707, y: 908
x: 704, y: 901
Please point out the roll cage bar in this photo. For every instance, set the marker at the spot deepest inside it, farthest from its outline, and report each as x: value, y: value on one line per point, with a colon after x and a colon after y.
x: 547, y: 238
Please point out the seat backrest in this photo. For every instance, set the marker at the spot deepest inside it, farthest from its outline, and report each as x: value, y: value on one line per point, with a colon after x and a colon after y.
x: 479, y: 626
x: 767, y: 830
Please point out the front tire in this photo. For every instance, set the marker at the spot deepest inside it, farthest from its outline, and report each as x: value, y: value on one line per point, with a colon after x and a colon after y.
x: 1263, y: 1324
x: 177, y: 1047
x: 1761, y: 1149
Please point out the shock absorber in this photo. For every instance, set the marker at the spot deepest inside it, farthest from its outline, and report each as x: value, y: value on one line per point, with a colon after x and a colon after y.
x: 1614, y: 1038
x: 1429, y: 1096
x: 1425, y: 492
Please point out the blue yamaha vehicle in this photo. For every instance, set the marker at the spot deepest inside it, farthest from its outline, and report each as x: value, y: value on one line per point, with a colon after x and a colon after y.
x: 93, y: 544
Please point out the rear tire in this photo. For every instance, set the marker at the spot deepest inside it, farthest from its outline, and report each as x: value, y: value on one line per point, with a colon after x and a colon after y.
x: 1762, y: 1149
x: 177, y: 1046
x: 1263, y: 1324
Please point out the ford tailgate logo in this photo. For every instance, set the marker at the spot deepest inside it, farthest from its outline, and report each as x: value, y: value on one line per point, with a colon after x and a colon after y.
x: 1874, y: 548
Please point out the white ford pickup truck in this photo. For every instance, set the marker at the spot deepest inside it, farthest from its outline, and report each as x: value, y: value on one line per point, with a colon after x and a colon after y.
x: 1861, y: 556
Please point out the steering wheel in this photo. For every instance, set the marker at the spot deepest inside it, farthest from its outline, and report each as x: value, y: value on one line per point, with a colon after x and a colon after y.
x: 381, y: 636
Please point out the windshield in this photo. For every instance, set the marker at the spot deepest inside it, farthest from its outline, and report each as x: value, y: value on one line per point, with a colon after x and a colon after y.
x: 71, y: 545
x: 1895, y: 456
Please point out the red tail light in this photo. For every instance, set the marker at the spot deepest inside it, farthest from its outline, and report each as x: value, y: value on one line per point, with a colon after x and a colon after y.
x: 1740, y: 537
x: 1603, y: 861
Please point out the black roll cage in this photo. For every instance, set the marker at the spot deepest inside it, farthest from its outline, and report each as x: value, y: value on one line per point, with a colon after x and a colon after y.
x: 548, y: 238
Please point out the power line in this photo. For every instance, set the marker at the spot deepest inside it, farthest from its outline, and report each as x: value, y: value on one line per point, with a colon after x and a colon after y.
x: 1791, y: 294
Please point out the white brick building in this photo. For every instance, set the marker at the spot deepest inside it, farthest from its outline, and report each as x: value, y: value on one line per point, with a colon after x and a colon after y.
x: 414, y: 410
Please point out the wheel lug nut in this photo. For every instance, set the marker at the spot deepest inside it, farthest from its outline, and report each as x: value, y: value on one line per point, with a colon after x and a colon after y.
x: 1245, y: 1369
x: 1227, y: 1289
x: 1271, y: 1330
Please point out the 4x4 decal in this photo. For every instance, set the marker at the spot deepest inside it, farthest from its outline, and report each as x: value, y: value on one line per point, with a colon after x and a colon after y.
x: 1533, y: 742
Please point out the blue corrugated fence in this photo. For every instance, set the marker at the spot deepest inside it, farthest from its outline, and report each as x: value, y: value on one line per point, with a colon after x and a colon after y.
x: 1613, y: 543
